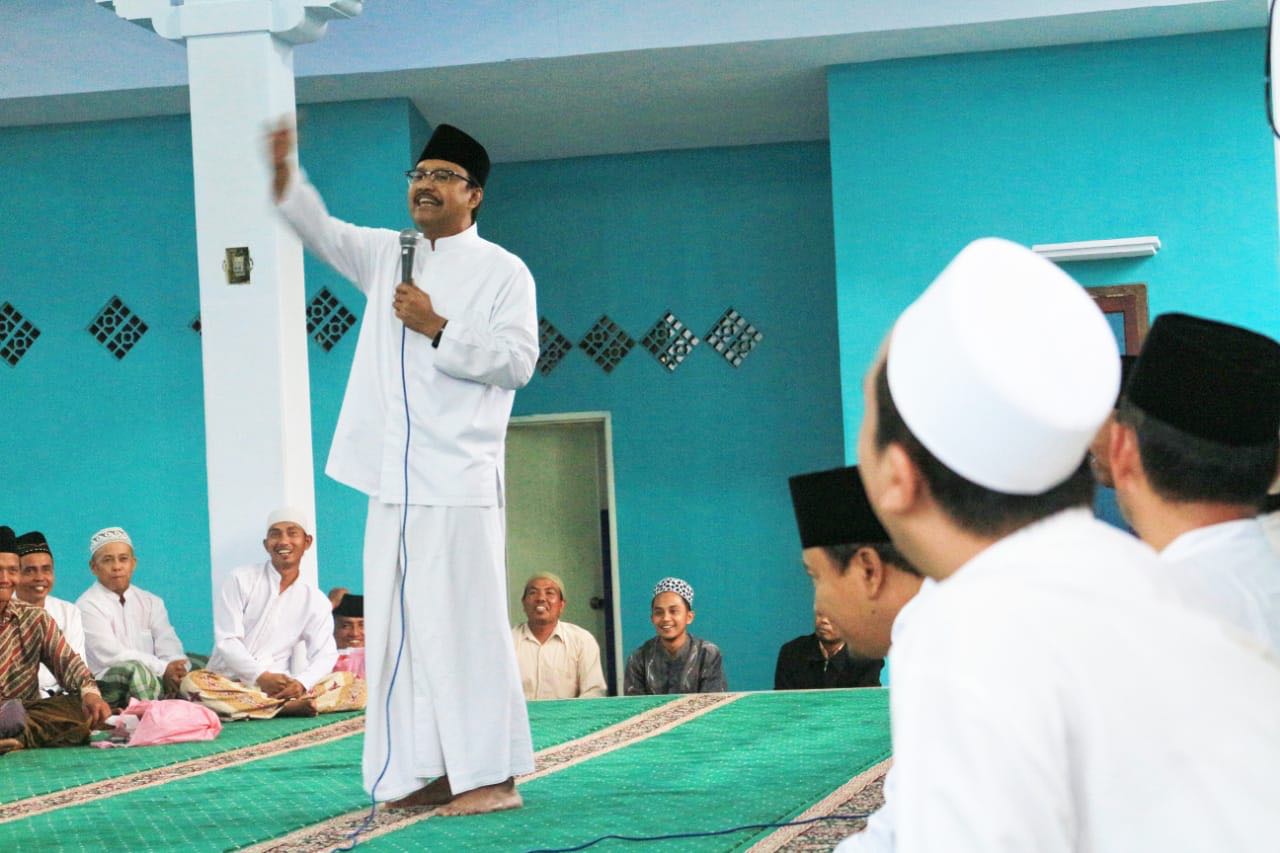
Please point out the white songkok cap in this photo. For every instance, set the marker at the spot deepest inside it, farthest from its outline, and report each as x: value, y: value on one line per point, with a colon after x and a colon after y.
x: 679, y: 587
x: 290, y: 513
x: 107, y: 535
x: 1004, y: 369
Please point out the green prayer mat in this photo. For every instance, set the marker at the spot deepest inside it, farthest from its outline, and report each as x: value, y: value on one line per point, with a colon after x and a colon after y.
x: 41, y: 771
x: 763, y: 757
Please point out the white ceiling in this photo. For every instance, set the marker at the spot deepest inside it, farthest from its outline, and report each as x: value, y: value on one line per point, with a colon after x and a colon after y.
x: 538, y: 79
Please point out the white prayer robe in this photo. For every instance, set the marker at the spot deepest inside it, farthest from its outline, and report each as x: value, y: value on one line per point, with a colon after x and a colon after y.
x: 1231, y: 571
x: 256, y: 628
x: 457, y: 706
x: 67, y: 615
x: 878, y: 835
x: 1042, y: 702
x: 137, y: 630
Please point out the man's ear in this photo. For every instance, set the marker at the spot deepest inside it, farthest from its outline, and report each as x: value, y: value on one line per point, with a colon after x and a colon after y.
x: 903, y: 485
x: 870, y: 569
x: 1126, y: 460
x: 477, y: 196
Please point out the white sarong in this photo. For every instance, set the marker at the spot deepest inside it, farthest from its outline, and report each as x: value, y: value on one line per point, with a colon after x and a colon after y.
x: 456, y: 705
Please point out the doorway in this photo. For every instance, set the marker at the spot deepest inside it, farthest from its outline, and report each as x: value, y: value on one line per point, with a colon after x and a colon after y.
x: 560, y: 500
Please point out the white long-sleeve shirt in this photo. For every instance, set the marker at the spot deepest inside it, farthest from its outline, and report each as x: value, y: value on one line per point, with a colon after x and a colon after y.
x: 256, y: 628
x: 67, y: 615
x: 1055, y: 695
x: 138, y: 630
x: 460, y: 394
x: 1231, y: 571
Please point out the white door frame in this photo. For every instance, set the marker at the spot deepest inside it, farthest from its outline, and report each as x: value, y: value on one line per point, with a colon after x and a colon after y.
x: 605, y: 418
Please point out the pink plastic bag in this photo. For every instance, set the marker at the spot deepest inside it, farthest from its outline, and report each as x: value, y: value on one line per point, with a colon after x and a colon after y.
x: 167, y: 721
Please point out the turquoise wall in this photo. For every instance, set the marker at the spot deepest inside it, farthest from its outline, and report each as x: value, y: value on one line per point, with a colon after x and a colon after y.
x: 701, y: 455
x: 88, y: 212
x: 1159, y: 136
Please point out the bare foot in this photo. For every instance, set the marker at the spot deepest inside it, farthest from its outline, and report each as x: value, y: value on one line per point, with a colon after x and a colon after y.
x: 304, y: 707
x: 10, y: 744
x: 437, y: 793
x: 490, y: 798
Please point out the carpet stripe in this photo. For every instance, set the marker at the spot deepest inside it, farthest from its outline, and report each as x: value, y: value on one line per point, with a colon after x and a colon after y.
x: 334, y: 832
x: 829, y: 804
x: 148, y: 778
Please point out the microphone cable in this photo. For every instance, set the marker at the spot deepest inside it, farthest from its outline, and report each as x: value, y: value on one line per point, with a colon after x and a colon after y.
x: 642, y: 839
x: 352, y: 839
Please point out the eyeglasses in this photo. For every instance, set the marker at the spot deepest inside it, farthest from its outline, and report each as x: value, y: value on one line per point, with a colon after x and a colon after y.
x: 437, y: 176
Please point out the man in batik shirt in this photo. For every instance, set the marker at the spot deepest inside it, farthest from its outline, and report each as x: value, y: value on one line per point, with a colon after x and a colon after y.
x: 28, y: 638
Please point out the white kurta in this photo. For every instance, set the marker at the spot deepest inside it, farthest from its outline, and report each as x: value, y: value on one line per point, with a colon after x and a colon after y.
x: 457, y: 705
x: 1231, y: 571
x: 878, y: 835
x: 1054, y: 695
x: 460, y: 394
x: 256, y: 628
x: 67, y: 615
x: 137, y: 630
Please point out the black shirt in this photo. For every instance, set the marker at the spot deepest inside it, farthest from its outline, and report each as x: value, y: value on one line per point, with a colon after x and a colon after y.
x: 802, y: 666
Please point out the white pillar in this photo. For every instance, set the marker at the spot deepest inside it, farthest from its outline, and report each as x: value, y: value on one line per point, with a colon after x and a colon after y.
x: 257, y: 398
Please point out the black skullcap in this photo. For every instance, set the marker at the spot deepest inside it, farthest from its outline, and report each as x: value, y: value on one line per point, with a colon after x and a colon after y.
x: 8, y: 542
x: 449, y: 143
x: 351, y: 606
x: 1212, y: 380
x: 33, y: 543
x: 832, y: 509
x: 1271, y: 504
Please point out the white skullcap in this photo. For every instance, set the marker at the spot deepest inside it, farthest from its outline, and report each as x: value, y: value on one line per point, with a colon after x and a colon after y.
x: 107, y: 535
x: 1004, y: 369
x: 679, y: 587
x: 290, y: 513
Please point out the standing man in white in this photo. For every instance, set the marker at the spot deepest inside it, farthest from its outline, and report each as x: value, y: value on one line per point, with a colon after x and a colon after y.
x: 460, y: 334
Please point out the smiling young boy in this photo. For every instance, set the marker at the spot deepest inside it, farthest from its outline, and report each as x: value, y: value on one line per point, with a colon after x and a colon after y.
x: 674, y: 661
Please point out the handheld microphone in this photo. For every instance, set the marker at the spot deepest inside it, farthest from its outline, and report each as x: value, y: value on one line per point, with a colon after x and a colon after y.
x: 408, y: 245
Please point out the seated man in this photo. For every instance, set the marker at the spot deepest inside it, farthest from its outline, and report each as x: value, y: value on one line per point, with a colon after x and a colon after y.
x: 876, y: 590
x: 822, y: 660
x: 261, y: 616
x: 674, y: 661
x: 28, y: 638
x: 348, y: 633
x: 129, y: 646
x: 34, y: 586
x: 558, y: 660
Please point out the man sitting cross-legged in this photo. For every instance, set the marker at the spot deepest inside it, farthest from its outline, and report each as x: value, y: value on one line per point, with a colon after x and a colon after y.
x: 260, y: 617
x: 28, y: 638
x: 130, y: 646
x: 34, y: 585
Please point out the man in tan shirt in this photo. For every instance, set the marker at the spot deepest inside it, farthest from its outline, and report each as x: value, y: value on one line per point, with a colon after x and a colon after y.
x: 558, y: 660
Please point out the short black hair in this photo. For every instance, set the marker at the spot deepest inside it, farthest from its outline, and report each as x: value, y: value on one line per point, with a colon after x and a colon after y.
x: 1182, y: 467
x: 974, y: 508
x: 842, y: 555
